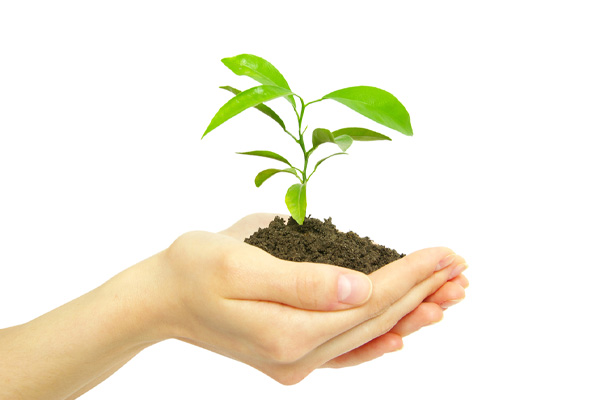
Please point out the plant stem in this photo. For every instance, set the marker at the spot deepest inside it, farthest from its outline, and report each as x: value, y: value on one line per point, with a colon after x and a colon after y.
x: 306, y: 156
x: 312, y: 102
x: 301, y: 140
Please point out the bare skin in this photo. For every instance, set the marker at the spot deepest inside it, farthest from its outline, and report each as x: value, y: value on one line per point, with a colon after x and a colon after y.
x: 216, y: 292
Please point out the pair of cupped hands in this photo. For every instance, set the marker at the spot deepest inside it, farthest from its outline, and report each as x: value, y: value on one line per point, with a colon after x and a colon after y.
x: 286, y: 318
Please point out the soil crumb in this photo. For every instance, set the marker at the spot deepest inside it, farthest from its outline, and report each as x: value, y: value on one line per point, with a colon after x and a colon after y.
x: 321, y: 242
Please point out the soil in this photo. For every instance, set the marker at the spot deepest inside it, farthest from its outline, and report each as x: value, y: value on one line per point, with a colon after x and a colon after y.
x: 321, y: 242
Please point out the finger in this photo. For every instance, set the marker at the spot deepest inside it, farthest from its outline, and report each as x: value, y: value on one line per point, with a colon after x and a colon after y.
x: 310, y: 339
x: 424, y: 315
x: 367, y: 352
x: 451, y: 291
x: 391, y: 285
x: 308, y: 286
x: 461, y: 280
x: 322, y: 287
x: 246, y: 226
x: 394, y: 280
x: 381, y: 324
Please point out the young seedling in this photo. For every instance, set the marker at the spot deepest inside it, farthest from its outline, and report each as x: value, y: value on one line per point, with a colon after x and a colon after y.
x: 376, y: 104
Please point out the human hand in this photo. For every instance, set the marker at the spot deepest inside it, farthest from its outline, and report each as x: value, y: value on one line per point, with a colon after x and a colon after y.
x: 429, y: 312
x: 238, y: 301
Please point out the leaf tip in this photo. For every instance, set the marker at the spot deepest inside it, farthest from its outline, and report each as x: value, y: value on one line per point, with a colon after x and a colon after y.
x: 209, y: 129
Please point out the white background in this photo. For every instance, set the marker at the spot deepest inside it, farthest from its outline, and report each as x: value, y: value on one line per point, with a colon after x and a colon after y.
x: 102, y: 105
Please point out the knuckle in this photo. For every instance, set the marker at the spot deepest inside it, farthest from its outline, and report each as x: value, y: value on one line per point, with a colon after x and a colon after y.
x: 178, y: 245
x: 380, y: 303
x: 180, y: 250
x: 284, y: 350
x: 308, y: 291
x: 286, y: 343
x: 186, y: 246
x: 229, y: 263
x: 376, y: 328
x: 290, y: 378
x: 289, y: 375
x: 384, y: 325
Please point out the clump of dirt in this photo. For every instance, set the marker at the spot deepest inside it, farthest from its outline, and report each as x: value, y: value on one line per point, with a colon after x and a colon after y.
x: 321, y: 242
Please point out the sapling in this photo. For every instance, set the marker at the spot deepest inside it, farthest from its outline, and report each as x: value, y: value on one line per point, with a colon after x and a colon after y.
x: 376, y: 104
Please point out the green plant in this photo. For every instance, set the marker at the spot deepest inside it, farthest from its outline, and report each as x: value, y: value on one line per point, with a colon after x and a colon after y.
x: 376, y: 104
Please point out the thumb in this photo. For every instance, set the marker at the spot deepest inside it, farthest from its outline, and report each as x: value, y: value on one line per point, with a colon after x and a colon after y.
x: 309, y: 286
x: 353, y: 288
x: 324, y: 287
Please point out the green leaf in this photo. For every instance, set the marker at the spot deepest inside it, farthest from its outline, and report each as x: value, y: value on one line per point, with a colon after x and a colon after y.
x: 258, y: 69
x: 295, y: 199
x: 321, y: 161
x: 261, y: 107
x: 344, y: 142
x: 321, y: 136
x: 244, y: 100
x: 360, y: 134
x: 376, y: 104
x: 267, y: 173
x: 267, y: 154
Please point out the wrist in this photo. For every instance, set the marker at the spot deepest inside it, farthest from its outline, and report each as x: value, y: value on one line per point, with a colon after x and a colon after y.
x: 85, y: 340
x: 150, y: 304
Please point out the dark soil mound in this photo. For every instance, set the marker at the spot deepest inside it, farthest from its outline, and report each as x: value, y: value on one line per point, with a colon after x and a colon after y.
x: 320, y: 241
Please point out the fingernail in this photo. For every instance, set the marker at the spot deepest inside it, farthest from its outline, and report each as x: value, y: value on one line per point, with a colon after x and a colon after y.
x: 459, y: 269
x: 450, y: 303
x: 354, y: 289
x: 445, y: 262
